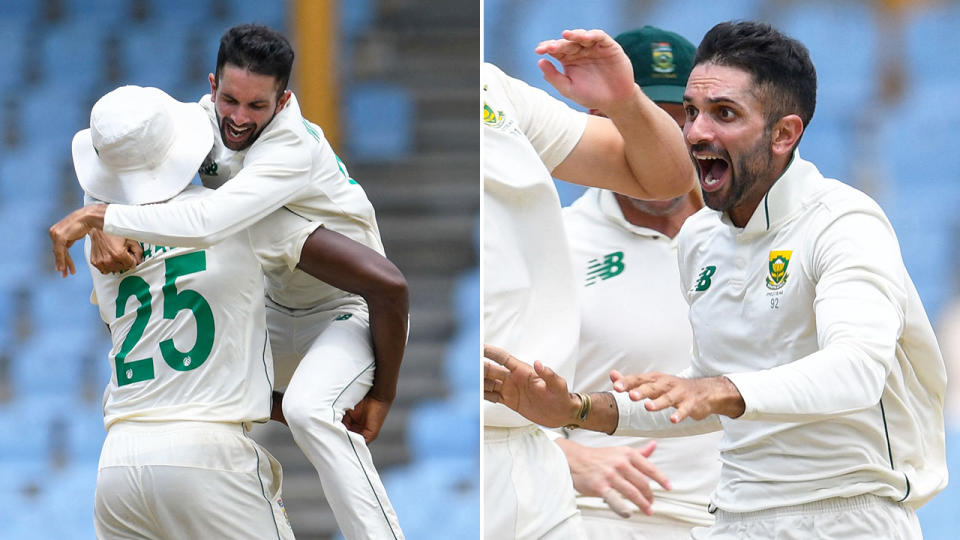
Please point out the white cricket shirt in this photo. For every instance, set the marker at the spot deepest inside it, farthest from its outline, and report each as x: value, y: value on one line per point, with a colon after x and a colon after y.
x: 291, y: 165
x: 530, y: 295
x: 810, y: 312
x: 189, y: 335
x: 633, y: 318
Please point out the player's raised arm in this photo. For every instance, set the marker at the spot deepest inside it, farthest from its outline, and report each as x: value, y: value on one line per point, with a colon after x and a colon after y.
x: 638, y: 150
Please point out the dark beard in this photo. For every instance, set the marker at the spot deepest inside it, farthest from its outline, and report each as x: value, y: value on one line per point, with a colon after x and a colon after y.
x: 751, y: 170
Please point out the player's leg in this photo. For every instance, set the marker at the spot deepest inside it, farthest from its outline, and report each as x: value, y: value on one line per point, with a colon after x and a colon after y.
x: 527, y: 490
x: 333, y: 375
x: 118, y: 510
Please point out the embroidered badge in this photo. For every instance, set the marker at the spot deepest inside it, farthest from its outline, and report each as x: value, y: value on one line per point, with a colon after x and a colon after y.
x: 662, y: 57
x: 492, y: 118
x: 779, y: 260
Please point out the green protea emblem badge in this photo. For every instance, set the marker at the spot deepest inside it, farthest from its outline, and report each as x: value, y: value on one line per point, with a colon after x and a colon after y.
x: 491, y: 117
x: 779, y: 260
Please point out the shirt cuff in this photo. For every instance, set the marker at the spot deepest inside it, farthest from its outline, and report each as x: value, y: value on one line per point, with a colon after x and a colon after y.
x: 625, y: 409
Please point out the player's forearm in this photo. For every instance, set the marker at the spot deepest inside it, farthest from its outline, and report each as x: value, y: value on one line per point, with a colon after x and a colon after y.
x: 355, y: 268
x: 653, y: 147
x: 388, y: 327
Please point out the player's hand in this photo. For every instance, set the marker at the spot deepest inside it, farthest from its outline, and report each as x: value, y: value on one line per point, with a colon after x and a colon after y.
x: 596, y: 72
x: 110, y: 254
x: 367, y: 417
x: 536, y: 392
x: 619, y: 474
x: 694, y: 398
x: 70, y: 229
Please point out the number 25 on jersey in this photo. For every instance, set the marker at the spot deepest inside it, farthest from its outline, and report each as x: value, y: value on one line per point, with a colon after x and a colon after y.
x: 173, y: 302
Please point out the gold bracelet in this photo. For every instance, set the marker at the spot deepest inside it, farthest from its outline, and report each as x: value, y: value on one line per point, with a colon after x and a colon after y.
x: 583, y: 411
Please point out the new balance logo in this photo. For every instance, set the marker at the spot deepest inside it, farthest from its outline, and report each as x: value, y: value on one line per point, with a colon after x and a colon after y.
x: 703, y: 280
x: 598, y: 269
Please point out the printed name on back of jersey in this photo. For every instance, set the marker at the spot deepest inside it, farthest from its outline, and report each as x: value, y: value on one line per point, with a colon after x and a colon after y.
x: 609, y: 266
x: 150, y: 250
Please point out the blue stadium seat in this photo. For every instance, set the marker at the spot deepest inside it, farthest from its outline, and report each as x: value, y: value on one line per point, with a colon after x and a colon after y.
x: 71, y: 55
x: 31, y: 177
x: 13, y: 52
x: 50, y: 363
x: 53, y: 114
x: 931, y: 41
x: 827, y: 143
x: 272, y: 14
x: 466, y: 298
x: 939, y: 518
x: 107, y: 12
x: 461, y: 362
x: 356, y: 16
x: 71, y: 493
x: 379, y: 120
x: 843, y: 43
x: 156, y: 54
x: 692, y: 19
x: 427, y: 496
x: 444, y: 428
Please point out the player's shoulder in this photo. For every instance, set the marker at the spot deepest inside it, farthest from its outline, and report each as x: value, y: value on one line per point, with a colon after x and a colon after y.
x: 585, y: 209
x: 699, y: 229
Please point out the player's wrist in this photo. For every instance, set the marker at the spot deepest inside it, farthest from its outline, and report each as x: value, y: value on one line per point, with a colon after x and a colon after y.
x: 579, y: 410
x: 625, y: 107
x: 385, y: 393
x: 729, y: 401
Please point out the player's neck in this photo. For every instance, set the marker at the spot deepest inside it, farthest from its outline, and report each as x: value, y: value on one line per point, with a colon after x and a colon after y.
x: 668, y: 224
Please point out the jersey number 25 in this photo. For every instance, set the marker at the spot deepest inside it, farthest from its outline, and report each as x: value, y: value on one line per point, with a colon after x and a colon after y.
x: 173, y: 302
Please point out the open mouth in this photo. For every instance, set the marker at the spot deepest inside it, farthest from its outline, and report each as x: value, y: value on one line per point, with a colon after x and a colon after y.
x: 714, y: 170
x: 236, y: 134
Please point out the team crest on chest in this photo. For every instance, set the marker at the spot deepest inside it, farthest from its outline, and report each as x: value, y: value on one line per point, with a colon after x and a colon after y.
x: 492, y: 118
x: 777, y: 267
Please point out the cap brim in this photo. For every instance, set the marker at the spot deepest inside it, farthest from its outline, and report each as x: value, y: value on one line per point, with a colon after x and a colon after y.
x: 192, y: 142
x: 664, y: 93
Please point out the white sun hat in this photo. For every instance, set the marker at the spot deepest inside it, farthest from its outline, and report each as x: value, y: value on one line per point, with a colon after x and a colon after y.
x: 143, y: 146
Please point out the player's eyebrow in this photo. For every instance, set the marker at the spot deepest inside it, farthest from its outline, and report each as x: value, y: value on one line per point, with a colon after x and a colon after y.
x: 254, y: 102
x: 714, y: 100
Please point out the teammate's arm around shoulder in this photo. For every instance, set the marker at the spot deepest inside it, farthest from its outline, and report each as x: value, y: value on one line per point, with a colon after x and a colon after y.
x: 638, y: 150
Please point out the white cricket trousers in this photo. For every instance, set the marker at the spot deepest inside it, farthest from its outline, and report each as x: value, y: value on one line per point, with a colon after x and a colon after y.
x: 607, y: 525
x: 527, y: 492
x: 323, y: 357
x: 166, y: 480
x: 865, y: 517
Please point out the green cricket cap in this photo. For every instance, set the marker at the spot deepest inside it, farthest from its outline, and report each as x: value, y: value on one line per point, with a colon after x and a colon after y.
x: 661, y: 61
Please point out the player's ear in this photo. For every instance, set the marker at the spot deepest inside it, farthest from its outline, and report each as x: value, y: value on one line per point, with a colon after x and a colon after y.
x: 284, y: 98
x: 213, y: 86
x: 786, y: 133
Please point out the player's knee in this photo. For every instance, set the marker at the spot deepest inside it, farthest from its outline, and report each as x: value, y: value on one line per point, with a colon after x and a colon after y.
x: 306, y: 411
